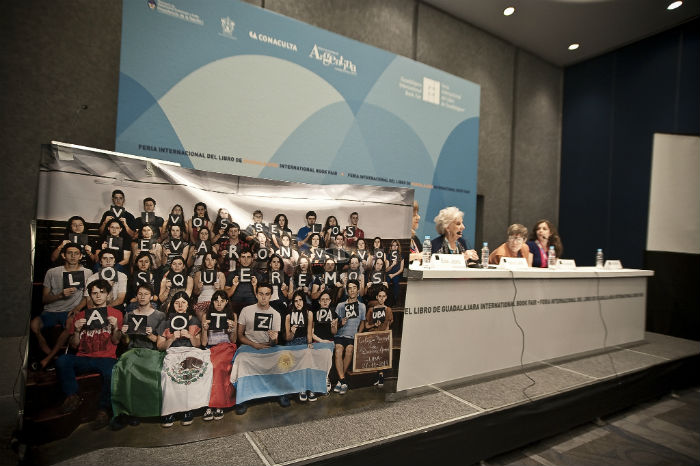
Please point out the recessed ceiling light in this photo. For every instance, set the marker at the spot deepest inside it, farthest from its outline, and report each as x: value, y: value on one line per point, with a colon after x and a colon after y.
x: 674, y: 5
x: 510, y: 10
x: 573, y: 46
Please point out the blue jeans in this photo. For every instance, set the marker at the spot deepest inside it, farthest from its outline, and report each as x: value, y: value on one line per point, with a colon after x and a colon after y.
x: 70, y: 365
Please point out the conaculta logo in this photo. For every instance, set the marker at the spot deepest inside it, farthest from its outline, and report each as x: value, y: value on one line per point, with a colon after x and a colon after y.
x: 333, y: 58
x: 227, y: 26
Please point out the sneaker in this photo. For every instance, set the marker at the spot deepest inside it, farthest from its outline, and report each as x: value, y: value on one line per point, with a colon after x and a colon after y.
x: 284, y: 401
x: 328, y: 386
x: 208, y: 415
x: 380, y: 381
x: 101, y: 420
x: 302, y: 396
x: 343, y: 389
x: 312, y: 396
x: 241, y: 408
x: 118, y: 422
x: 337, y: 387
x: 167, y: 421
x: 187, y: 418
x: 71, y: 403
x: 218, y: 414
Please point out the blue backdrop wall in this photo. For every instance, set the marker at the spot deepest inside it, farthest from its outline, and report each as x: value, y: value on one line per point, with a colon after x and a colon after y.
x: 612, y: 107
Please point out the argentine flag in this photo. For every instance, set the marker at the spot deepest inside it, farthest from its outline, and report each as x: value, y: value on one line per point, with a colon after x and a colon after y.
x: 280, y: 370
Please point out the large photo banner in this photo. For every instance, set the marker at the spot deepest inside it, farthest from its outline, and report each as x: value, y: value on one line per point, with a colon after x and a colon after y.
x: 206, y: 290
x: 228, y: 87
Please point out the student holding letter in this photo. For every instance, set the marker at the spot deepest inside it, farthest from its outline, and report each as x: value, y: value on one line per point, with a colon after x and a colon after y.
x: 95, y: 335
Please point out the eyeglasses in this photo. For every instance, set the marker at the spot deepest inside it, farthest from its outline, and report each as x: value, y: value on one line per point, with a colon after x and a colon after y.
x: 516, y: 239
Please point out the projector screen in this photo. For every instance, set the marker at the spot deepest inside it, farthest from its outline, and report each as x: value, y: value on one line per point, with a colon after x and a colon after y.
x: 674, y: 199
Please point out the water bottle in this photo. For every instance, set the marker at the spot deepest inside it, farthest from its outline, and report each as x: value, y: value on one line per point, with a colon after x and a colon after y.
x: 599, y: 259
x: 485, y: 255
x: 427, y: 250
x: 551, y: 258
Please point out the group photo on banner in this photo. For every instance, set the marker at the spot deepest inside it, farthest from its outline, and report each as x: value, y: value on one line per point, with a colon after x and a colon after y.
x: 196, y: 293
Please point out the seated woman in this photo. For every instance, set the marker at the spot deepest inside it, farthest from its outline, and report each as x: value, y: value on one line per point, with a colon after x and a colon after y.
x: 282, y: 228
x: 146, y: 242
x: 174, y: 281
x: 395, y: 268
x: 362, y: 253
x: 206, y: 282
x: 199, y: 219
x: 303, y: 278
x: 542, y: 237
x: 514, y: 247
x: 142, y: 273
x: 262, y: 251
x: 449, y: 225
x: 180, y: 330
x: 288, y: 253
x: 330, y: 229
x: 174, y: 245
x: 114, y: 239
x: 221, y: 341
x: 176, y: 217
x: 221, y: 222
x: 376, y: 279
x: 416, y: 243
x: 298, y: 324
x: 198, y: 249
x: 76, y: 226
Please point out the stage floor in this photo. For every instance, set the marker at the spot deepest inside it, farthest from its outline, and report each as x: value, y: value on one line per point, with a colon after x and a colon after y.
x: 335, y: 426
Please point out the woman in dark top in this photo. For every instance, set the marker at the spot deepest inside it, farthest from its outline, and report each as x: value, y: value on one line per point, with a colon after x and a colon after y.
x: 544, y: 235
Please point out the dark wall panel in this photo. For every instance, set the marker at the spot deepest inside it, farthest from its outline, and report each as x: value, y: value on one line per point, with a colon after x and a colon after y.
x: 585, y: 172
x: 613, y: 105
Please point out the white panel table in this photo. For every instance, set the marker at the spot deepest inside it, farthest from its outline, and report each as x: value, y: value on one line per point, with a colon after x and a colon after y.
x: 461, y: 323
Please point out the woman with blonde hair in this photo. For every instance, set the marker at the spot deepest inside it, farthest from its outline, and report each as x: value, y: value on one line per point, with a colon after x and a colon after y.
x: 449, y: 224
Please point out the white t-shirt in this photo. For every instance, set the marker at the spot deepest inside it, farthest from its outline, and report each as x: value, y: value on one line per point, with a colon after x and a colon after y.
x: 118, y: 287
x: 258, y: 321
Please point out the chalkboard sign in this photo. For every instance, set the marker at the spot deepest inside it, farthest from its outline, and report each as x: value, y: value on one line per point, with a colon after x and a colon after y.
x: 372, y: 351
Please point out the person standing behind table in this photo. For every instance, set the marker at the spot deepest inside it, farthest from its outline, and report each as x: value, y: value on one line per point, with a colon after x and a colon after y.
x: 95, y: 336
x: 62, y: 296
x: 118, y: 212
x: 353, y: 233
x: 544, y: 235
x: 351, y: 319
x: 416, y: 244
x: 304, y: 233
x: 259, y: 326
x: 514, y: 247
x: 449, y: 224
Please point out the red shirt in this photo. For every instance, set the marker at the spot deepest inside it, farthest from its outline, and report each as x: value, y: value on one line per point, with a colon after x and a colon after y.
x: 98, y: 343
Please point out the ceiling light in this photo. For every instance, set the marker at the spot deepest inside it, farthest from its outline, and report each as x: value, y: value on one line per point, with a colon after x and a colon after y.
x: 674, y: 5
x: 510, y: 10
x: 573, y: 46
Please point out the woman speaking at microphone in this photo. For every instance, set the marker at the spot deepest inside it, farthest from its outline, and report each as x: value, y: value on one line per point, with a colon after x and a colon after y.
x: 449, y: 225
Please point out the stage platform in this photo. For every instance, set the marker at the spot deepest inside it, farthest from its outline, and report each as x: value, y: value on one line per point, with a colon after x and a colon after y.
x: 464, y: 421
